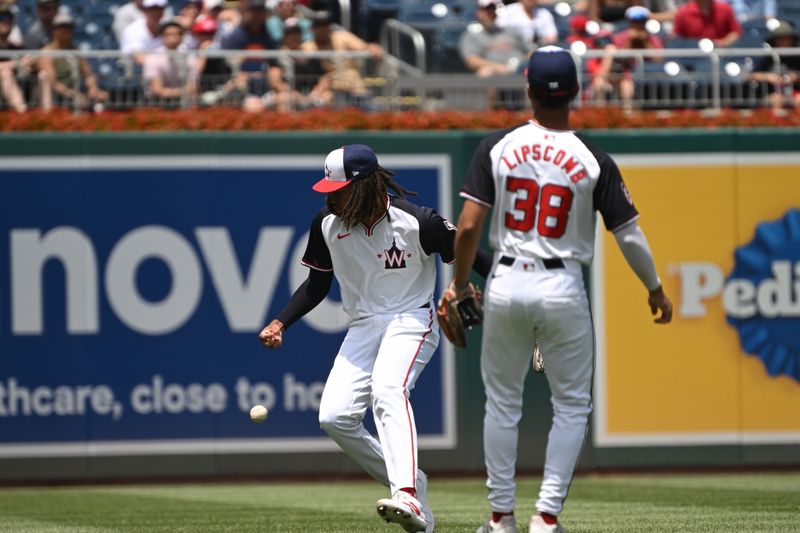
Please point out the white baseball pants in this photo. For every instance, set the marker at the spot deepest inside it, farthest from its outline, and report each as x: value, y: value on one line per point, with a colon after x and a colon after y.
x: 377, y: 366
x: 524, y: 301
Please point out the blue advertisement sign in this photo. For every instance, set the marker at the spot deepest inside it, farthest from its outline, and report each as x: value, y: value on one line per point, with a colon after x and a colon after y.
x: 132, y: 291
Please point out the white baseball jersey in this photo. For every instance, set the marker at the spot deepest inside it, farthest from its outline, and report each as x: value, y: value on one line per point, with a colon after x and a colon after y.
x: 387, y: 268
x: 545, y: 186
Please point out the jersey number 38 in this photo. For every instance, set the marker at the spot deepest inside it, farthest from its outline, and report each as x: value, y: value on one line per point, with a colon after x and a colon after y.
x: 554, y: 203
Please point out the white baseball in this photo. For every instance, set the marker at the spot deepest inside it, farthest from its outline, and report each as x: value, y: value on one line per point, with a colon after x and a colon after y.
x: 258, y: 413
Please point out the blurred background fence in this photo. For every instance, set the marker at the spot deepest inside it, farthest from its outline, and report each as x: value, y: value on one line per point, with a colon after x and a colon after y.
x: 680, y: 78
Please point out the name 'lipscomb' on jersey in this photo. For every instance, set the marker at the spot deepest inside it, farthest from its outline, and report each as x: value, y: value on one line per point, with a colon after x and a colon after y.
x: 551, y: 154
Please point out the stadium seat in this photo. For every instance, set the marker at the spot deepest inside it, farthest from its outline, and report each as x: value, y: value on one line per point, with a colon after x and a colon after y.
x: 749, y: 40
x: 788, y: 9
x: 426, y: 14
x: 758, y: 26
x: 682, y: 42
x: 372, y: 13
x: 449, y: 54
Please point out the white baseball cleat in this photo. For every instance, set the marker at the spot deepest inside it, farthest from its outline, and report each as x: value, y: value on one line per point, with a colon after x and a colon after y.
x: 422, y: 496
x: 507, y: 524
x: 538, y: 525
x: 403, y: 509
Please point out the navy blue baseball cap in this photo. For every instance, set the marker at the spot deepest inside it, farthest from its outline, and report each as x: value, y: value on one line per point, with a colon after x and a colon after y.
x: 345, y: 165
x: 552, y: 72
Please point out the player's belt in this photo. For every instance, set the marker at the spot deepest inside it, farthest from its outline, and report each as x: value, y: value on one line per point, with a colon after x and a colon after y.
x: 549, y: 264
x: 426, y: 305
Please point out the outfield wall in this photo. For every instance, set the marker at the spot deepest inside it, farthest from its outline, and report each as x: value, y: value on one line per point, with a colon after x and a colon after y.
x: 136, y: 270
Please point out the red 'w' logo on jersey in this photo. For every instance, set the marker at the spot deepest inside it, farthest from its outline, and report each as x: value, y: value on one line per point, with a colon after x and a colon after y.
x: 395, y: 257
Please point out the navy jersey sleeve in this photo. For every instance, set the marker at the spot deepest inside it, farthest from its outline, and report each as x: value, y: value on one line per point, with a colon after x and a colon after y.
x: 479, y: 181
x: 317, y: 255
x: 307, y: 296
x: 611, y: 198
x: 437, y: 235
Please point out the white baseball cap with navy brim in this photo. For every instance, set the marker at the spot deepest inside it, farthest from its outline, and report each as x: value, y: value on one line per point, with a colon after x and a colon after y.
x: 345, y: 165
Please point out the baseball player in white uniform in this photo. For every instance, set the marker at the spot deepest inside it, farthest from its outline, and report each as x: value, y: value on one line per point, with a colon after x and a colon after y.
x: 381, y: 249
x: 544, y: 184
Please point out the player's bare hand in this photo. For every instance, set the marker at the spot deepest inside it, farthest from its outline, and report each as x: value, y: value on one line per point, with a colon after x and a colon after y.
x: 272, y: 334
x: 659, y: 302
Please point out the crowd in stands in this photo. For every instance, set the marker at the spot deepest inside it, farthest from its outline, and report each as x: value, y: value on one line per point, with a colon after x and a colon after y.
x: 503, y: 35
x: 168, y: 44
x: 168, y: 48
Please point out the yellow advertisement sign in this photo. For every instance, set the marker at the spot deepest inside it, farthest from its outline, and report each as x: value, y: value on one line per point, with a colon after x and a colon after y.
x: 725, y: 234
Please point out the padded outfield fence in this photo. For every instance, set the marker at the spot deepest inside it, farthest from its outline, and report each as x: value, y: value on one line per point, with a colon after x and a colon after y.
x: 100, y: 226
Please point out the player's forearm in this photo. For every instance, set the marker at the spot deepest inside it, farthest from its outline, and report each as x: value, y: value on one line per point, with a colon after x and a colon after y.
x: 466, y: 247
x: 633, y: 245
x: 468, y: 238
x: 307, y: 296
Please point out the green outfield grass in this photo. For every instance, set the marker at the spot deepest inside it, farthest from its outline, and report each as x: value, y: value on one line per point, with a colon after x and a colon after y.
x: 619, y: 503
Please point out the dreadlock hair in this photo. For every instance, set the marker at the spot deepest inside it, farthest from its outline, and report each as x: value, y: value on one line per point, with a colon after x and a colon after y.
x: 369, y: 196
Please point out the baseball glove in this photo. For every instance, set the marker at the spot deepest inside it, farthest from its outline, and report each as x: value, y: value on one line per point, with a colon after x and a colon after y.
x: 458, y: 312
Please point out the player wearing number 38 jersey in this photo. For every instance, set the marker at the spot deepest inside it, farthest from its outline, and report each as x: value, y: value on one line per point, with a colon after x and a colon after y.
x: 545, y: 187
x: 544, y: 184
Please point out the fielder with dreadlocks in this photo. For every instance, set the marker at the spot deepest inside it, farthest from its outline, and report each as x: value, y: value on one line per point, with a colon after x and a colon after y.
x: 381, y: 249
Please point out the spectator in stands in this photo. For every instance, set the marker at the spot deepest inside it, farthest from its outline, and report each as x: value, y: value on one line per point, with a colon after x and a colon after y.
x: 783, y: 80
x: 169, y: 77
x: 578, y: 31
x: 489, y: 50
x: 618, y: 74
x: 129, y: 13
x: 143, y: 35
x: 189, y: 11
x: 67, y: 80
x: 753, y: 10
x: 594, y: 66
x: 708, y: 19
x: 261, y: 80
x: 214, y: 83
x: 310, y: 76
x: 284, y: 12
x: 41, y: 32
x: 662, y: 10
x: 227, y: 18
x: 535, y: 24
x: 614, y: 10
x: 346, y: 81
x: 187, y: 14
x: 9, y: 88
x: 212, y: 9
x: 576, y: 6
x: 609, y: 10
x: 16, y: 33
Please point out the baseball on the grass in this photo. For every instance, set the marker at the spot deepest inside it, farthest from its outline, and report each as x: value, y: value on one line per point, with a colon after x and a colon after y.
x: 258, y: 413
